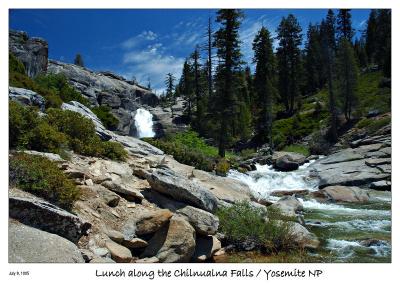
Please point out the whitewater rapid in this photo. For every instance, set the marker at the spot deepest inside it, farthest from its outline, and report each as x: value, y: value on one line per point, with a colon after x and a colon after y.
x: 343, y: 228
x: 144, y: 123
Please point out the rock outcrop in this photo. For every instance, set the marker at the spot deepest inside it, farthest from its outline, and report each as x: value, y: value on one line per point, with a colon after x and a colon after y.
x: 26, y: 97
x: 287, y: 161
x: 32, y: 52
x: 180, y: 188
x: 341, y: 194
x: 302, y: 237
x: 107, y: 89
x: 47, y: 217
x: 175, y: 242
x: 104, y: 88
x: 355, y: 167
x: 288, y: 205
x: 30, y: 245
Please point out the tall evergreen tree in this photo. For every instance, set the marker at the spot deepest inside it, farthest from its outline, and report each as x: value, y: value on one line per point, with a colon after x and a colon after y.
x: 226, y: 40
x: 313, y: 59
x: 209, y: 57
x: 328, y: 44
x: 170, y: 88
x: 79, y: 60
x: 347, y: 76
x: 250, y: 87
x: 289, y: 61
x: 264, y: 83
x: 343, y: 25
x: 360, y: 52
x: 371, y: 36
x: 378, y: 39
x: 185, y: 88
x: 384, y: 46
x: 196, y: 74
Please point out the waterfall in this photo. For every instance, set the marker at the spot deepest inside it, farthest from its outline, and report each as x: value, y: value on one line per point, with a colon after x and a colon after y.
x: 144, y: 123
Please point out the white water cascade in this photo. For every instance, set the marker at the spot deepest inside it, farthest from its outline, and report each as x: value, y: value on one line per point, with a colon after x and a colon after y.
x: 341, y: 226
x: 144, y: 123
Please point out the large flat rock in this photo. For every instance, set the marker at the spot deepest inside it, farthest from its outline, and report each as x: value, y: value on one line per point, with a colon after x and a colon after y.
x: 30, y: 245
x: 47, y: 217
x: 354, y: 167
x: 180, y: 188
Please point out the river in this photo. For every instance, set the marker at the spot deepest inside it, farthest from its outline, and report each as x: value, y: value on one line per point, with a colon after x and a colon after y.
x: 348, y: 232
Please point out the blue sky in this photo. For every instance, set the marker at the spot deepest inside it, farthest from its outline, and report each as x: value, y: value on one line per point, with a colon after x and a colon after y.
x: 145, y: 43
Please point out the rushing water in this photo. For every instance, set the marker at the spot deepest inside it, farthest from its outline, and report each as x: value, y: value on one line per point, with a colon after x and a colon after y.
x: 348, y: 232
x: 144, y: 123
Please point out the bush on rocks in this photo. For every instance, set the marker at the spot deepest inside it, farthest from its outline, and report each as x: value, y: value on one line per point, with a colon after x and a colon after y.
x: 106, y: 117
x: 43, y: 178
x: 58, y: 85
x: 21, y: 121
x: 243, y: 224
x: 57, y: 131
x: 184, y: 154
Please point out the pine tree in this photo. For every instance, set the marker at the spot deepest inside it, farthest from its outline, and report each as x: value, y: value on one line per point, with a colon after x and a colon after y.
x: 226, y: 40
x: 170, y: 94
x: 289, y: 61
x: 264, y: 83
x: 360, y: 52
x: 371, y: 36
x: 343, y: 25
x: 328, y: 45
x: 384, y: 39
x: 346, y: 76
x: 197, y: 89
x: 378, y: 39
x: 185, y: 87
x: 313, y: 59
x: 79, y: 60
x: 209, y: 60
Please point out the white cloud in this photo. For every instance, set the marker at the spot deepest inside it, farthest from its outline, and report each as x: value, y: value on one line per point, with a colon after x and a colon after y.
x: 152, y: 63
x: 138, y: 39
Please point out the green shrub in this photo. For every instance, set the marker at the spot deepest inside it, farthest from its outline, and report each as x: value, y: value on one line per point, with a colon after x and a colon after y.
x: 114, y: 151
x: 58, y: 85
x: 297, y: 149
x: 372, y: 125
x: 82, y: 137
x: 222, y: 167
x: 21, y: 122
x: 15, y: 65
x: 184, y: 154
x: 58, y: 131
x: 106, y: 117
x: 71, y: 123
x: 190, y: 149
x: 243, y: 223
x: 46, y: 138
x: 279, y: 236
x: 247, y: 153
x: 43, y: 178
x: 192, y: 140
